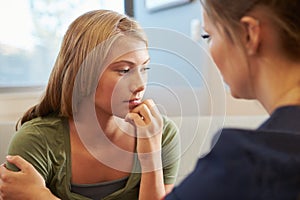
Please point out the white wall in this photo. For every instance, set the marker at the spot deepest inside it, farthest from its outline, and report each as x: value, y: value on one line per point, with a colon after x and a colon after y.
x: 13, y: 105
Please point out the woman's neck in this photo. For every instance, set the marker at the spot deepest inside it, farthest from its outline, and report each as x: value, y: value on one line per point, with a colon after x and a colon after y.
x: 290, y: 97
x: 94, y: 121
x: 91, y: 121
x: 280, y: 86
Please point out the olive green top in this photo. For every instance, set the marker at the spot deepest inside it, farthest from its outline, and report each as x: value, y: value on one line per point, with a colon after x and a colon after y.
x: 45, y: 143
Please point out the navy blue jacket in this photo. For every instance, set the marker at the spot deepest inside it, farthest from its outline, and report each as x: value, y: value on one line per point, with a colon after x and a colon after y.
x: 250, y: 164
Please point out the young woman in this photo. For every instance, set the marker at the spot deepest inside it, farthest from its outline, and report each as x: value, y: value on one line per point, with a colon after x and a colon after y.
x: 256, y: 46
x: 92, y: 136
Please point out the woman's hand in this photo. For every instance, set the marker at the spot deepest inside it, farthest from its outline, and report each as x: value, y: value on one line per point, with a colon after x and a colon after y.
x: 148, y: 122
x: 26, y: 184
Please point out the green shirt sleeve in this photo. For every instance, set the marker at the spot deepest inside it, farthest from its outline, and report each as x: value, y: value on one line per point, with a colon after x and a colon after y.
x: 170, y: 151
x: 29, y: 144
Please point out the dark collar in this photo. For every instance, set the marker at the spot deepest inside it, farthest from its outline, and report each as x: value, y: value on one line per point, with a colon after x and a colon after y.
x: 286, y: 118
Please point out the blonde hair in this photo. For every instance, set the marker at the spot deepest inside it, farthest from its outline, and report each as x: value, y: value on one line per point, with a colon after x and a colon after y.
x: 283, y: 13
x: 82, y: 37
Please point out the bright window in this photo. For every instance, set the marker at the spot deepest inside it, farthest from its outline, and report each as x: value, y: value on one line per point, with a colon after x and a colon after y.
x: 31, y: 33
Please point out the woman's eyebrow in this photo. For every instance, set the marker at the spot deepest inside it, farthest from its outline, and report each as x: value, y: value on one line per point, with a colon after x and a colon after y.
x: 148, y: 60
x: 131, y: 63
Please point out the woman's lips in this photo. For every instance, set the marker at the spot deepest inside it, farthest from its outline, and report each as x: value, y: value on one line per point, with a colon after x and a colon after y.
x: 133, y: 103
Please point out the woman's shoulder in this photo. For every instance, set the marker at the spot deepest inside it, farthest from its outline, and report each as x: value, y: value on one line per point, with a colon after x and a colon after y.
x: 170, y: 133
x: 44, y: 125
x: 41, y: 130
x: 169, y: 126
x: 168, y: 122
x: 257, y: 143
x: 37, y: 139
x: 251, y: 160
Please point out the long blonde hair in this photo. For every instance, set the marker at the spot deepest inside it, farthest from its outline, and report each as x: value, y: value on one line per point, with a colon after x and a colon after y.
x: 82, y: 37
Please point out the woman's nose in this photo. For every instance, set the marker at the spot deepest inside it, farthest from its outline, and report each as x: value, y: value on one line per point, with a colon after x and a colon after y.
x: 138, y: 83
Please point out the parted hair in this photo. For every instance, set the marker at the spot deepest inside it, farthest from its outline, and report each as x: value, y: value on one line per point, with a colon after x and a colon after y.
x: 283, y: 13
x: 83, y: 35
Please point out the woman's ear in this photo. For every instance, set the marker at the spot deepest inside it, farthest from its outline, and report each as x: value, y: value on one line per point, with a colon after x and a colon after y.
x: 252, y: 33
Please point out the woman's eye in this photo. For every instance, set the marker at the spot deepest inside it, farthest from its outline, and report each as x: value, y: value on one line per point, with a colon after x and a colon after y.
x: 206, y: 37
x: 144, y: 69
x: 123, y: 71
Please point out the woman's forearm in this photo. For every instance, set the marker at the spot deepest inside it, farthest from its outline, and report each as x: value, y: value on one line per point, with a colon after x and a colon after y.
x: 152, y: 185
x: 47, y: 195
x: 152, y: 181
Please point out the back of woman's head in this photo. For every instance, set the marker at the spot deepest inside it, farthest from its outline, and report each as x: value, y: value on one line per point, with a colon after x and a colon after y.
x: 83, y: 35
x: 284, y: 14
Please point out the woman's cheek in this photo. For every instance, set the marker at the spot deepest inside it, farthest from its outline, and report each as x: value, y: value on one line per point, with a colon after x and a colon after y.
x: 216, y: 56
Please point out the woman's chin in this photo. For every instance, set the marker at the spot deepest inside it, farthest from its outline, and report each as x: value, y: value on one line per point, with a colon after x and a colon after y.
x: 120, y: 115
x: 240, y: 95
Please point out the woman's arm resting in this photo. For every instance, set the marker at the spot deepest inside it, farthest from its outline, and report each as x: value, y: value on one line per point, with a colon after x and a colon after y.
x: 24, y: 184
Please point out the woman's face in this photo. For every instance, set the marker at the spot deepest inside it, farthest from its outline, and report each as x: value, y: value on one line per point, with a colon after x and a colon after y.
x: 229, y: 58
x: 122, y: 84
